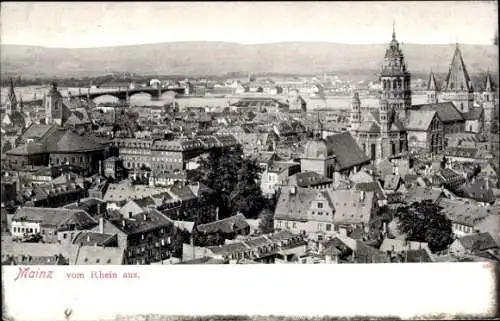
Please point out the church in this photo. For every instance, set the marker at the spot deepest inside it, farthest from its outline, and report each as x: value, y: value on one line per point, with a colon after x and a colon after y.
x: 397, y: 127
x: 14, y: 115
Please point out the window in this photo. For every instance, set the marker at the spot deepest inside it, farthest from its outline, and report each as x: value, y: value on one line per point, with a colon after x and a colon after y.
x: 43, y: 232
x: 97, y: 261
x: 328, y: 227
x: 320, y: 213
x: 320, y: 205
x: 294, y: 225
x: 65, y: 235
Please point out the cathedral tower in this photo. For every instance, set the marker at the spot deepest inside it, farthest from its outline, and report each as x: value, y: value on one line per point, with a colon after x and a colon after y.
x: 432, y: 90
x: 395, y: 79
x: 355, y: 112
x: 458, y: 86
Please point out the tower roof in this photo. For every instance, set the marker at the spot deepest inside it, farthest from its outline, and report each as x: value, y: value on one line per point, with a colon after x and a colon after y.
x: 12, y: 95
x: 431, y: 84
x: 458, y: 78
x: 489, y: 83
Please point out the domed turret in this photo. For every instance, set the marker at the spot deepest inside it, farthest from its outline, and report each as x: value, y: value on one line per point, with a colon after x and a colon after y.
x: 317, y: 149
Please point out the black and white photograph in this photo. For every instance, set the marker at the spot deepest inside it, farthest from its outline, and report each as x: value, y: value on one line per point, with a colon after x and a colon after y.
x: 165, y: 136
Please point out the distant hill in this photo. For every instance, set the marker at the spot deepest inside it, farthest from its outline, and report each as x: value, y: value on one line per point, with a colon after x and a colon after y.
x: 219, y: 58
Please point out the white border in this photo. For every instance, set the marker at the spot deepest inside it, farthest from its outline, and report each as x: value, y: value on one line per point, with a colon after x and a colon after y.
x: 403, y: 290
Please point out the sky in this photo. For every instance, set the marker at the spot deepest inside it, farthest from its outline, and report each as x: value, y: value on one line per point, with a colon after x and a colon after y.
x: 100, y: 24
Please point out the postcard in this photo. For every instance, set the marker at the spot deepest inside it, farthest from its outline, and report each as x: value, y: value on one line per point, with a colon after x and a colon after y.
x: 249, y: 161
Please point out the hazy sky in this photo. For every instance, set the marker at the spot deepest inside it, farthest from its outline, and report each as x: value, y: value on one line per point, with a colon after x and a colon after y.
x: 99, y: 24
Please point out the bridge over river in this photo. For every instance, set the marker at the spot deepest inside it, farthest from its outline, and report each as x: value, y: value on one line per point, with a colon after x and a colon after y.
x: 123, y: 94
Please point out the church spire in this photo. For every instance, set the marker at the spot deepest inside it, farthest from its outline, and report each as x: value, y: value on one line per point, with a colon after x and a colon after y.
x: 393, y: 30
x: 458, y: 78
x: 489, y: 83
x: 11, y: 98
x: 432, y: 85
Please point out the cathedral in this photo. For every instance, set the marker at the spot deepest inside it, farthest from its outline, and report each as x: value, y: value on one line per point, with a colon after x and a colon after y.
x: 398, y: 127
x: 381, y: 133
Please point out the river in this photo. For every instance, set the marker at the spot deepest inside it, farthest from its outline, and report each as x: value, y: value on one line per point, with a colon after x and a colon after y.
x: 30, y: 93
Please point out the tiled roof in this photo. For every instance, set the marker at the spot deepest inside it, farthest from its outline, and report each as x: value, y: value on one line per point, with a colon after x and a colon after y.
x: 478, y: 242
x: 68, y: 141
x: 369, y: 127
x: 473, y: 113
x: 56, y: 217
x: 97, y: 255
x: 143, y: 222
x: 125, y: 191
x: 46, y: 250
x: 227, y: 225
x: 372, y: 187
x: 177, y: 145
x: 418, y: 194
x: 446, y: 111
x: 480, y: 190
x: 294, y: 205
x: 87, y: 238
x: 361, y: 177
x: 419, y: 119
x: 351, y: 206
x: 347, y: 152
x: 463, y: 212
x: 37, y: 131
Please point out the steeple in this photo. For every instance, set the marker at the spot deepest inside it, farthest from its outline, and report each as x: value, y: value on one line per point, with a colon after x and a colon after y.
x: 355, y: 111
x: 432, y: 85
x: 393, y: 30
x: 489, y: 83
x: 11, y: 99
x: 458, y: 78
x: 432, y: 90
x: 457, y: 87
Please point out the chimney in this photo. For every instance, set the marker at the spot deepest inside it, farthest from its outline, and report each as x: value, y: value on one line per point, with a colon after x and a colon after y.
x: 101, y: 225
x: 362, y: 195
x: 88, y: 238
x: 293, y: 190
x: 145, y: 216
x: 123, y: 223
x: 100, y: 167
x: 217, y: 213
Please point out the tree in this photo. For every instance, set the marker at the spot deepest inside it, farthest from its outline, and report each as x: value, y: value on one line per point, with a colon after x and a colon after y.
x: 424, y: 222
x: 234, y: 178
x: 247, y: 197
